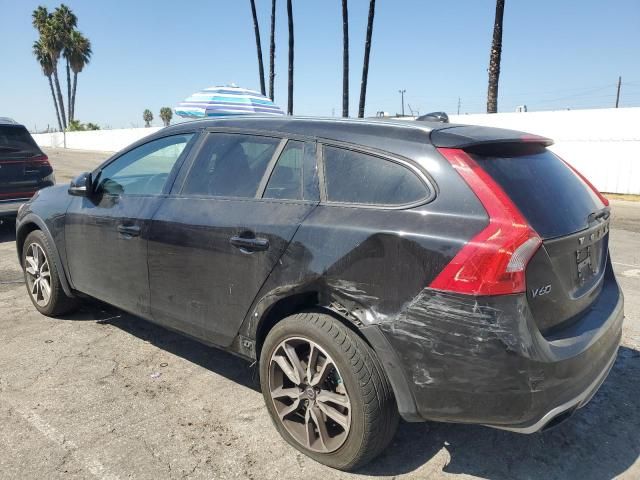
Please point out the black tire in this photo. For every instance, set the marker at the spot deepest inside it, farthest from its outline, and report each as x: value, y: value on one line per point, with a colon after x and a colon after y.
x: 374, y: 414
x: 58, y: 303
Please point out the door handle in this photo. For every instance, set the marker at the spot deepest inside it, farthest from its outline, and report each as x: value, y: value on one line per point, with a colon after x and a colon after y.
x: 250, y: 244
x: 129, y: 230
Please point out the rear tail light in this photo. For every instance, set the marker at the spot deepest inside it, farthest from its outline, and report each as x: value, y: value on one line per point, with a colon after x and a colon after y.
x: 494, y: 261
x: 602, y: 198
x: 40, y: 160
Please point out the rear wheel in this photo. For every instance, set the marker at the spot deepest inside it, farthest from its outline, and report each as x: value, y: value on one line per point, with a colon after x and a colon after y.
x: 41, y: 277
x: 326, y: 391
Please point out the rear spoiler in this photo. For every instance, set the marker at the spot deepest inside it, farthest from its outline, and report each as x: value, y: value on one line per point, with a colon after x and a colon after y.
x: 472, y: 137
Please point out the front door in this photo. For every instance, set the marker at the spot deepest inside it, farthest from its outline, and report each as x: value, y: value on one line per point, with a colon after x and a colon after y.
x: 213, y: 243
x: 106, y: 233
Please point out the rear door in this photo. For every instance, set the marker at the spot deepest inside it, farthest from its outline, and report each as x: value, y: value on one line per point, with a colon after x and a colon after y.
x: 567, y: 273
x: 215, y: 240
x: 23, y: 167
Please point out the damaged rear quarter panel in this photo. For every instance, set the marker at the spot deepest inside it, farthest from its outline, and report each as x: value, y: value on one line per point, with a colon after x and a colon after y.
x: 371, y: 262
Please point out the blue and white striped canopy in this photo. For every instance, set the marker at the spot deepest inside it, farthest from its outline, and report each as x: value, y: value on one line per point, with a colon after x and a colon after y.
x: 228, y: 100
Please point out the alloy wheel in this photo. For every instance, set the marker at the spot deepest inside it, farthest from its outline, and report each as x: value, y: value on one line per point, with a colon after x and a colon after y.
x: 309, y: 395
x: 36, y: 265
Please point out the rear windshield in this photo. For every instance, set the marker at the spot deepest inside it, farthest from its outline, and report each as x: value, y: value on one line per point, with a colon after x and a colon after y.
x: 16, y: 139
x: 553, y: 199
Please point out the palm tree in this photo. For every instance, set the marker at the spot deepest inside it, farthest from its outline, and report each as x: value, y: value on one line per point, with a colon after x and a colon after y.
x: 47, y: 69
x: 165, y: 115
x: 290, y: 80
x: 52, y: 41
x: 256, y: 29
x: 494, y: 59
x: 39, y: 18
x: 78, y: 54
x: 147, y: 116
x: 365, y: 65
x: 49, y: 46
x: 67, y: 22
x: 345, y: 59
x: 272, y: 50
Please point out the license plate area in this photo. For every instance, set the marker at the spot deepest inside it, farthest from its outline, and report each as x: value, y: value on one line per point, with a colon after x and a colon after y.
x: 585, y: 263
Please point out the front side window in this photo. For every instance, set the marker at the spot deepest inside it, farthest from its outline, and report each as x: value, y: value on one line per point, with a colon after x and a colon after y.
x: 230, y: 165
x: 145, y: 169
x: 295, y: 176
x: 354, y: 177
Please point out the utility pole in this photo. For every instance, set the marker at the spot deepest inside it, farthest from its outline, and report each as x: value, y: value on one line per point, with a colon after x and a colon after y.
x: 618, y: 94
x: 402, y: 92
x: 458, y: 105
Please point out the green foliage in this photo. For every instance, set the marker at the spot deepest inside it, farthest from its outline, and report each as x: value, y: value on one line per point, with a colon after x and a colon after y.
x: 43, y: 58
x: 166, y: 114
x: 147, y: 116
x: 77, y: 126
x: 77, y: 51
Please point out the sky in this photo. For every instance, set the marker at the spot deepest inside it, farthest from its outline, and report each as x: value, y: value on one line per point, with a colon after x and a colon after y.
x: 154, y: 53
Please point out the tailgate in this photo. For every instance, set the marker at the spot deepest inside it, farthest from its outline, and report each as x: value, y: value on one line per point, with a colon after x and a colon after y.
x: 23, y: 166
x: 566, y: 275
x: 21, y: 177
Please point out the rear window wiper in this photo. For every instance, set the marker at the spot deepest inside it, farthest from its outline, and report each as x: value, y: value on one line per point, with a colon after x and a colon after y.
x: 604, y: 213
x: 9, y: 149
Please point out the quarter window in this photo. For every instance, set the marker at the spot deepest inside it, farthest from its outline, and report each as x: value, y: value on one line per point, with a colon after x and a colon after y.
x: 295, y: 175
x: 354, y: 177
x: 230, y: 165
x: 145, y: 169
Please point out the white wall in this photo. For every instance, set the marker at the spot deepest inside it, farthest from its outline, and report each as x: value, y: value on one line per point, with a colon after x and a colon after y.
x: 101, y: 140
x: 603, y: 144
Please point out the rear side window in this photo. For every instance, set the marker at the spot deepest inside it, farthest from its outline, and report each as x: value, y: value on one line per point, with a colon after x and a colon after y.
x: 354, y: 177
x: 550, y: 196
x: 295, y: 176
x: 15, y: 139
x: 230, y: 165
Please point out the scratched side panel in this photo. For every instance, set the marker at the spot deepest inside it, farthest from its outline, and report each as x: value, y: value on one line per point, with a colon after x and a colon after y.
x: 370, y: 261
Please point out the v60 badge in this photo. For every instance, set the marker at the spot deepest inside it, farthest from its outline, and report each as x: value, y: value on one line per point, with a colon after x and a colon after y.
x: 537, y: 292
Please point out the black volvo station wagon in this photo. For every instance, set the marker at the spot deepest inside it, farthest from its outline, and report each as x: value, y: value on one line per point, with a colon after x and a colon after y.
x: 373, y: 269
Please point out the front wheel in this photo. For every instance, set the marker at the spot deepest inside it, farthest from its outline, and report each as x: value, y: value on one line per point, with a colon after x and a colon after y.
x: 326, y: 391
x: 42, y: 277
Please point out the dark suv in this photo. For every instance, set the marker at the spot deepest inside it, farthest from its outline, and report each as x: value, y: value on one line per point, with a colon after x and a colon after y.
x: 435, y: 271
x: 23, y: 167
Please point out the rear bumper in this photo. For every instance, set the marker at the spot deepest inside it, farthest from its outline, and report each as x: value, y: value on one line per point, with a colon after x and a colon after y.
x: 566, y: 409
x: 10, y: 207
x: 483, y: 360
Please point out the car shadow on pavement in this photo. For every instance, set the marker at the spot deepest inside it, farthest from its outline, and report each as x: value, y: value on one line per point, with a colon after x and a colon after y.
x: 599, y: 442
x: 213, y: 359
x: 7, y: 230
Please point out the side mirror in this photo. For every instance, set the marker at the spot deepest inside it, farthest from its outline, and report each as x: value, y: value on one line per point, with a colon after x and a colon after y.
x: 81, y: 186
